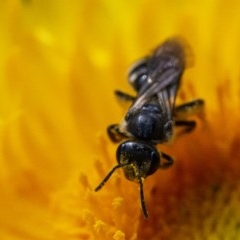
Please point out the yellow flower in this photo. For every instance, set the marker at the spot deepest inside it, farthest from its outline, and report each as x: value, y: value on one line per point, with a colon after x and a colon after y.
x: 60, y: 62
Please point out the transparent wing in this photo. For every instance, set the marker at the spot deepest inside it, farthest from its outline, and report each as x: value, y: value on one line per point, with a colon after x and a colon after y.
x: 165, y: 68
x: 166, y: 99
x: 165, y: 89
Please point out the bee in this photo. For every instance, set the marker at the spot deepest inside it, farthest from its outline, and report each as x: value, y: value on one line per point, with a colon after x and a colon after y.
x: 152, y: 115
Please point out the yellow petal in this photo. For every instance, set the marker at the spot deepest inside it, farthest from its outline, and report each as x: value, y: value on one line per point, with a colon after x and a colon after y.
x: 60, y: 62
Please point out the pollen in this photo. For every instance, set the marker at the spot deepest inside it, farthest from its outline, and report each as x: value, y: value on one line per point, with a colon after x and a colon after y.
x: 119, y: 235
x: 100, y: 227
x: 117, y: 202
x: 58, y: 72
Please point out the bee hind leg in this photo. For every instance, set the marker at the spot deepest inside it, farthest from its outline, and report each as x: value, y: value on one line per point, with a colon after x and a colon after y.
x: 187, y: 109
x: 183, y: 111
x: 188, y: 126
x: 169, y: 161
x: 123, y: 98
x: 115, y: 134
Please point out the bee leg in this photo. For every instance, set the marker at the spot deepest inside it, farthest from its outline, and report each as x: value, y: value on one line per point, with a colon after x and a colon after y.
x: 114, y: 133
x: 123, y: 97
x: 188, y: 125
x: 184, y: 110
x: 169, y: 161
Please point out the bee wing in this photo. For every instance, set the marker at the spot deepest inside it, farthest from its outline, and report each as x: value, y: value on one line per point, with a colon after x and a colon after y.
x: 164, y: 71
x: 164, y: 87
x: 166, y: 99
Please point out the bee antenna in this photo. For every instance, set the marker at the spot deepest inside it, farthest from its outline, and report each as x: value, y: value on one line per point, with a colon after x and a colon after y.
x: 102, y: 183
x: 142, y: 200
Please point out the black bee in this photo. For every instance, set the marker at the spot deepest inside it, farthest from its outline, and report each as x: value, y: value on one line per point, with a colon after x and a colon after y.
x: 152, y: 115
